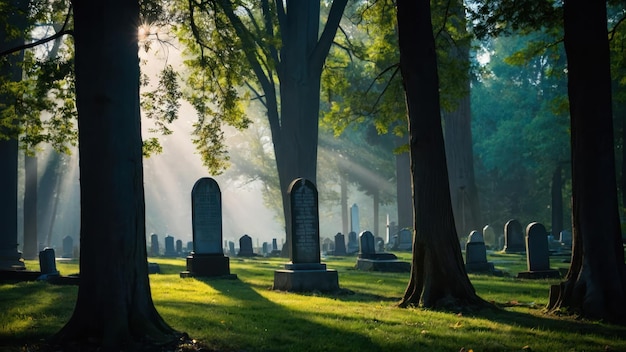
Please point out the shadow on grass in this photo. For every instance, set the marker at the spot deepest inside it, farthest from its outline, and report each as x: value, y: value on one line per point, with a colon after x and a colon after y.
x: 249, y: 321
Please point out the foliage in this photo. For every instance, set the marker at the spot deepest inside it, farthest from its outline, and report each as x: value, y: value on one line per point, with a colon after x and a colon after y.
x: 243, y: 314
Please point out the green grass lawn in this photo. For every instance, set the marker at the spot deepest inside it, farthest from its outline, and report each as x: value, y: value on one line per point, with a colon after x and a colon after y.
x: 246, y: 315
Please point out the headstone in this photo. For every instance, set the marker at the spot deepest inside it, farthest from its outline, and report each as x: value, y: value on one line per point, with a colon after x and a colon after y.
x: 179, y: 247
x: 304, y: 272
x: 170, y: 249
x: 47, y: 264
x: 405, y: 240
x: 207, y: 258
x: 68, y: 247
x: 380, y: 244
x: 566, y: 238
x: 369, y: 260
x: 355, y: 222
x: 154, y: 245
x: 537, y: 254
x: 476, y: 254
x: 513, y: 237
x: 489, y: 235
x: 231, y: 249
x: 340, y: 244
x: 190, y: 246
x: 353, y: 243
x: 245, y: 246
x: 265, y: 248
x: 366, y: 245
x: 274, y: 244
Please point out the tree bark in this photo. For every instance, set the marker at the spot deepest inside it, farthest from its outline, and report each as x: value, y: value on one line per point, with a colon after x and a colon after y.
x: 30, y: 207
x: 114, y: 309
x: 438, y: 276
x: 403, y: 189
x: 595, y: 286
x: 10, y: 70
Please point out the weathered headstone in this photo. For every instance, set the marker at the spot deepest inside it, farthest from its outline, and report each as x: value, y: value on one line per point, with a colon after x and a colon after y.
x: 274, y: 244
x: 367, y: 247
x: 369, y: 260
x: 154, y: 245
x: 231, y: 249
x: 476, y: 254
x: 207, y: 258
x: 489, y: 235
x: 353, y: 243
x: 565, y: 237
x: 265, y: 249
x: 513, y: 237
x: 170, y: 249
x: 340, y: 244
x: 179, y: 247
x: 47, y: 264
x: 68, y: 247
x: 355, y: 222
x: 245, y: 246
x: 305, y: 272
x: 405, y: 240
x: 537, y: 254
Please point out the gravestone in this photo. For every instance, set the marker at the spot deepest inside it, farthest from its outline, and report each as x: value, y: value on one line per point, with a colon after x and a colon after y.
x: 68, y: 247
x: 369, y: 260
x: 190, y: 246
x: 170, y: 249
x: 340, y: 244
x: 207, y: 258
x: 355, y: 222
x: 47, y: 264
x: 265, y: 249
x: 304, y: 272
x: 245, y: 246
x: 353, y: 244
x: 489, y: 236
x: 231, y: 249
x: 476, y: 254
x: 179, y: 247
x: 154, y: 245
x: 514, y: 237
x: 405, y: 240
x: 565, y: 237
x: 274, y: 244
x: 537, y: 254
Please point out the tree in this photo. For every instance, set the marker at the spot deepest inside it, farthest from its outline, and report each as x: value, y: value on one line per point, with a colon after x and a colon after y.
x: 114, y: 309
x: 15, y: 14
x: 438, y: 276
x: 294, y: 57
x: 595, y: 285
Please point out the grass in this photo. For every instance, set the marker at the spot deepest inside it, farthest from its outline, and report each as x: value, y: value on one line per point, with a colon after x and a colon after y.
x: 246, y: 315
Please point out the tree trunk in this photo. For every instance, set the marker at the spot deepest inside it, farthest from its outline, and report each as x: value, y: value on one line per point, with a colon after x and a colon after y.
x: 438, y: 276
x: 557, y: 201
x: 595, y: 286
x: 30, y: 207
x: 114, y: 309
x: 11, y: 71
x: 403, y: 189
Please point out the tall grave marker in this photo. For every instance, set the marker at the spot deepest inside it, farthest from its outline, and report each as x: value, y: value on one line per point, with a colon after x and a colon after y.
x: 514, y: 237
x: 304, y: 272
x: 537, y: 254
x: 207, y: 258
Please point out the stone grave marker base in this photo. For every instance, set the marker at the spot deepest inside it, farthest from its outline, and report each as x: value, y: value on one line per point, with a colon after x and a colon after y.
x: 385, y: 265
x: 208, y: 265
x: 539, y: 274
x: 306, y: 280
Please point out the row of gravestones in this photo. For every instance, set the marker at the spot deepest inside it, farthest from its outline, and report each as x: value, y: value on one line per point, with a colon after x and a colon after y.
x: 512, y: 241
x: 535, y: 245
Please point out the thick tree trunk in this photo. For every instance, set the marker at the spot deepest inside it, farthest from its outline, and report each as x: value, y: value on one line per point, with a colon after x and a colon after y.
x: 438, y: 276
x: 114, y: 309
x: 557, y: 201
x: 30, y: 207
x: 595, y: 286
x: 463, y: 191
x: 10, y: 71
x: 403, y: 189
